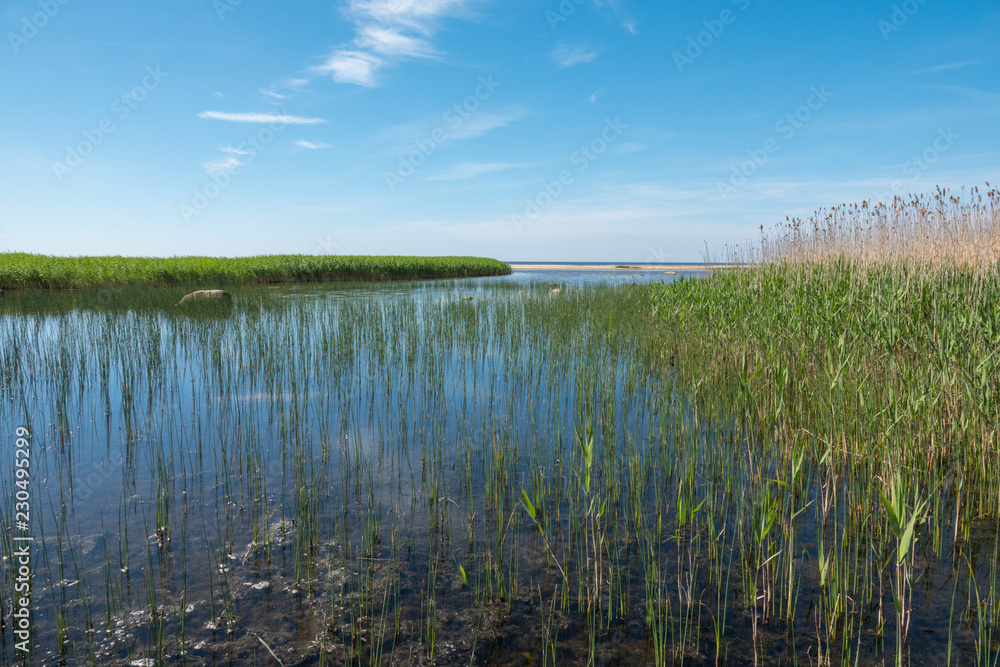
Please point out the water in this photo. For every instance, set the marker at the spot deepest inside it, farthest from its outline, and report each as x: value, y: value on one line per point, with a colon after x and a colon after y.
x: 338, y: 473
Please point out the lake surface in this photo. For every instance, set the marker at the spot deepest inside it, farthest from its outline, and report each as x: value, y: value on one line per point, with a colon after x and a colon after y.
x: 375, y: 472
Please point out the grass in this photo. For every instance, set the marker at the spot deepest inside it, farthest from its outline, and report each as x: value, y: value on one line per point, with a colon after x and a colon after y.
x: 22, y: 270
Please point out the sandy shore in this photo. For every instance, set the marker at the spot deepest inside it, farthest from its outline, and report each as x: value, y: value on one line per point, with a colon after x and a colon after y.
x: 609, y: 267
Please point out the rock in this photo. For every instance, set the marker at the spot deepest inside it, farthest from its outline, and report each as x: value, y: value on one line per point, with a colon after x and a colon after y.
x: 207, y: 295
x: 557, y: 291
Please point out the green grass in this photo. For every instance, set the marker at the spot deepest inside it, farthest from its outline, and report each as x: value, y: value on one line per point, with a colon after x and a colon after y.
x: 22, y: 270
x: 868, y: 396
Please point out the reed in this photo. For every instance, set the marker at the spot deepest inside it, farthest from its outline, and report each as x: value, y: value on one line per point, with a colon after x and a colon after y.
x: 856, y: 354
x: 941, y: 228
x: 25, y: 270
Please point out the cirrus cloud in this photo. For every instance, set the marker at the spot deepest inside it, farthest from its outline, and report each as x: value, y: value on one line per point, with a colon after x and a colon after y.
x: 281, y: 119
x: 386, y: 32
x: 567, y: 55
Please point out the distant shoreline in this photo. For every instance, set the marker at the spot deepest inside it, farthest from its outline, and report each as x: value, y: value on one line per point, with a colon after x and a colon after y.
x: 27, y: 271
x: 615, y: 267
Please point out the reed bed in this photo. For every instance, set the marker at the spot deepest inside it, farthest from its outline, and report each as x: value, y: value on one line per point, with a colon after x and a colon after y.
x: 943, y: 228
x: 24, y: 270
x: 858, y: 356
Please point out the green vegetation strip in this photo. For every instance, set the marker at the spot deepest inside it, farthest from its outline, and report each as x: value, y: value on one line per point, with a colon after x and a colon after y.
x: 868, y: 394
x: 22, y: 270
x: 893, y: 363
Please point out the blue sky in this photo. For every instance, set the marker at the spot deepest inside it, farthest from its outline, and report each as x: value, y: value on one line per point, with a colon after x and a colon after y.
x: 585, y: 130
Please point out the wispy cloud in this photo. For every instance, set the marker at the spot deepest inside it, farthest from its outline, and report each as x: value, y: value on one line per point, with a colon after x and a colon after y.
x: 355, y: 67
x: 302, y: 143
x: 628, y: 147
x: 946, y: 67
x: 272, y: 94
x: 230, y: 160
x: 620, y: 12
x: 481, y: 123
x: 568, y: 55
x: 260, y: 118
x: 400, y: 138
x: 466, y: 170
x: 386, y: 32
x: 389, y: 42
x: 225, y: 163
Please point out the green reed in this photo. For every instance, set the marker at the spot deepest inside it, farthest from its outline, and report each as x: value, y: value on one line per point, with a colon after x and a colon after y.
x: 24, y: 270
x: 865, y: 391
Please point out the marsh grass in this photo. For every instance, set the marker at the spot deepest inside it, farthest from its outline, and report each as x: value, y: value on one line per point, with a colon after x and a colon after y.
x: 858, y: 356
x: 24, y: 270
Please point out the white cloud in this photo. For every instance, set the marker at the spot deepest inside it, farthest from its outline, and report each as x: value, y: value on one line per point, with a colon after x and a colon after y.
x: 260, y: 118
x: 222, y: 164
x: 401, y: 137
x: 271, y: 93
x: 229, y: 150
x: 390, y: 42
x: 628, y: 147
x: 481, y: 123
x: 947, y: 67
x: 386, y: 31
x: 355, y: 67
x: 465, y: 170
x: 311, y: 146
x: 416, y: 15
x: 567, y: 55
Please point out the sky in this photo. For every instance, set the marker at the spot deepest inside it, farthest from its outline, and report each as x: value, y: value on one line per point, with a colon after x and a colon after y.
x: 561, y: 130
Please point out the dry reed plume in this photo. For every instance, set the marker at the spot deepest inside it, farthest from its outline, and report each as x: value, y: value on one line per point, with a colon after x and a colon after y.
x: 938, y: 229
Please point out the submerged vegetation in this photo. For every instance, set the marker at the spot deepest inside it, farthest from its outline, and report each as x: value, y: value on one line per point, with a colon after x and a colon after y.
x: 23, y: 270
x: 795, y: 463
